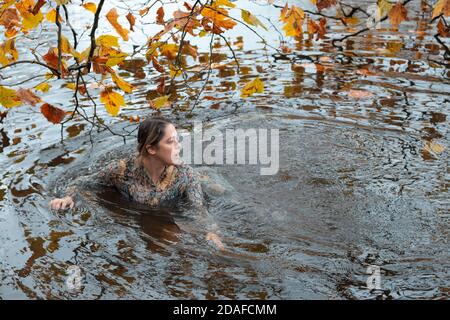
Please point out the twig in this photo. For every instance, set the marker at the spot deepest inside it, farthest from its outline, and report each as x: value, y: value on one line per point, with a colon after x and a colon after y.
x: 94, y: 28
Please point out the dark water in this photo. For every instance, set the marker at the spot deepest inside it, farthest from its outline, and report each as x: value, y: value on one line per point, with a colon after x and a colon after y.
x: 362, y: 183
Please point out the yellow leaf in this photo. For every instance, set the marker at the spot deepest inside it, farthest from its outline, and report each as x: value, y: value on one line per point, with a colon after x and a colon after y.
x: 384, y: 7
x: 8, y: 98
x: 254, y: 86
x: 71, y: 85
x: 8, y: 52
x: 115, y: 58
x: 51, y: 16
x: 160, y: 102
x: 44, y: 87
x: 293, y: 19
x: 107, y: 41
x: 29, y: 20
x: 92, y: 7
x: 175, y: 73
x: 434, y: 147
x: 251, y: 19
x: 152, y: 51
x: 122, y: 84
x: 112, y: 17
x: 442, y: 6
x: 113, y: 101
x: 169, y: 50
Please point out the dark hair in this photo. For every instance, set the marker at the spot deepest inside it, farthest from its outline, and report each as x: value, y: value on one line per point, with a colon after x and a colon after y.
x: 150, y: 132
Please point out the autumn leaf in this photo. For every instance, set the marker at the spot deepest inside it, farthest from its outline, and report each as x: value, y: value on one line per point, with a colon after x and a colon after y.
x: 51, y: 16
x: 8, y: 52
x: 251, y: 19
x: 112, y: 17
x: 115, y: 57
x: 28, y: 97
x: 441, y: 7
x: 9, y: 18
x: 325, y: 4
x: 157, y: 66
x: 113, y: 101
x: 144, y: 11
x: 53, y: 114
x: 29, y: 20
x: 293, y: 21
x: 38, y: 6
x: 122, y: 84
x: 131, y: 19
x: 218, y: 17
x: 107, y: 41
x: 44, y: 87
x: 397, y: 14
x: 9, y: 98
x: 160, y: 16
x: 184, y: 21
x: 190, y: 50
x: 254, y: 86
x: 92, y: 7
x: 170, y: 50
x: 160, y: 102
x: 161, y: 86
x: 360, y: 94
x: 51, y: 59
x: 383, y: 8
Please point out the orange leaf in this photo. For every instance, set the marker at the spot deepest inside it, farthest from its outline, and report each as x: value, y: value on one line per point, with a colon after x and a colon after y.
x: 92, y: 7
x: 9, y: 18
x: 144, y: 11
x: 112, y: 17
x: 325, y: 4
x: 161, y: 86
x: 131, y: 19
x: 397, y: 14
x: 28, y: 97
x: 160, y: 16
x: 157, y: 65
x: 218, y: 17
x: 53, y: 114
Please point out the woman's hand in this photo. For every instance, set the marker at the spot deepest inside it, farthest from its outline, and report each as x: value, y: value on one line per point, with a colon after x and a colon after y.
x: 215, y: 238
x: 63, y: 203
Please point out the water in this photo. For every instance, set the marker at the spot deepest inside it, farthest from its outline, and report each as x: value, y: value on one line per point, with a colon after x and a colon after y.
x: 362, y: 183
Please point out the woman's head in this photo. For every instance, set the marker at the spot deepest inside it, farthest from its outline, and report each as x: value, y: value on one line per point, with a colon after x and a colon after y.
x: 158, y: 138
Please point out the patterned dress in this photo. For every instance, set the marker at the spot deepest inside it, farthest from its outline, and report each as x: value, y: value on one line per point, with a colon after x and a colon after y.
x: 131, y: 179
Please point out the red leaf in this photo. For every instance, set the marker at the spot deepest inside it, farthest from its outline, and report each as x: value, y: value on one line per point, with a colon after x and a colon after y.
x: 325, y: 4
x: 53, y: 114
x: 160, y: 16
x: 131, y: 19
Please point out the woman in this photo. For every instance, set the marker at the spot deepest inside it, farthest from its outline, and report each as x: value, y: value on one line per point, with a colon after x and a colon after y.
x: 154, y: 176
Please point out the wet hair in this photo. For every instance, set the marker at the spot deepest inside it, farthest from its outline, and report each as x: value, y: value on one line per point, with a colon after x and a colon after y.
x: 150, y: 132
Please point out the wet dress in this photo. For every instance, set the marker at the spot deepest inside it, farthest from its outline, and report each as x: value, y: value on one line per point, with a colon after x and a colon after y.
x: 177, y: 182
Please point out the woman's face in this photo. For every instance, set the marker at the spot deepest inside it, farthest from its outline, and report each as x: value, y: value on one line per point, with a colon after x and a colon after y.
x: 168, y: 148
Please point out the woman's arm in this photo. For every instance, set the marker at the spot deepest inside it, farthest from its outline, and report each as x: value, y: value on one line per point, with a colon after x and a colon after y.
x: 107, y: 177
x: 195, y: 196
